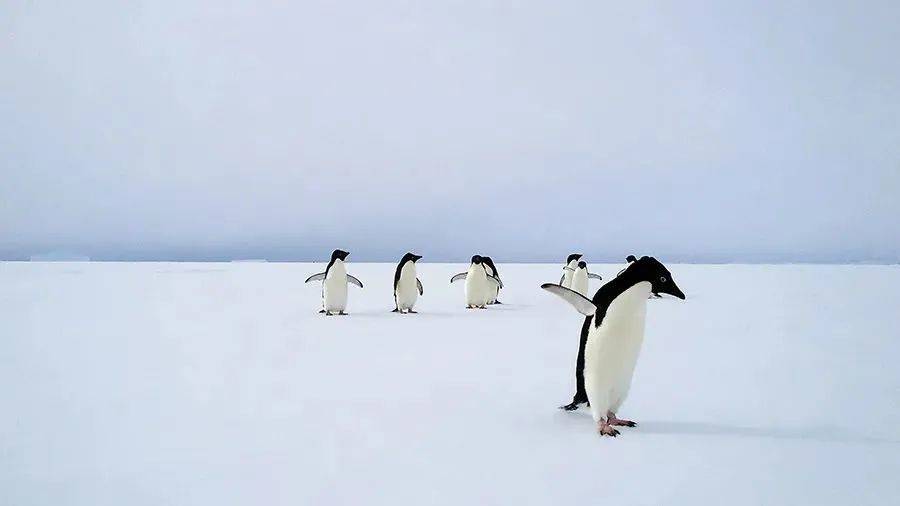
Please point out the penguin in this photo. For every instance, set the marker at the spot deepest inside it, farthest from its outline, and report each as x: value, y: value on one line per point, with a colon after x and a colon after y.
x: 569, y: 269
x: 614, y: 332
x: 580, y: 278
x: 334, y: 284
x: 630, y: 259
x: 479, y: 286
x: 580, y: 282
x: 407, y: 286
x: 491, y: 270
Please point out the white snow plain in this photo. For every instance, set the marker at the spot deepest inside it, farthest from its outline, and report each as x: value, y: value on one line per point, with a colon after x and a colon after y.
x: 218, y: 384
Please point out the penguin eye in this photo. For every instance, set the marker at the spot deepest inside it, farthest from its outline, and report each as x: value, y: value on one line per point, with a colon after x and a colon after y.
x: 662, y: 279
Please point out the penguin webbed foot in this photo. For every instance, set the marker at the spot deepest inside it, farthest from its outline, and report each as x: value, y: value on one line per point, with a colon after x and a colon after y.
x: 605, y: 429
x: 576, y: 403
x: 395, y: 310
x: 613, y: 420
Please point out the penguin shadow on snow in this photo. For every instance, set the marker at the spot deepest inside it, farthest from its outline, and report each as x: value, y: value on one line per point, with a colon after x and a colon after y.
x: 824, y: 434
x: 819, y: 433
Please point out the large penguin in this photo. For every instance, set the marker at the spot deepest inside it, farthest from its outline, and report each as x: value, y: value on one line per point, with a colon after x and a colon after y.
x: 407, y: 286
x: 614, y: 332
x: 569, y: 269
x: 479, y: 286
x: 580, y: 278
x: 334, y: 284
x: 491, y: 270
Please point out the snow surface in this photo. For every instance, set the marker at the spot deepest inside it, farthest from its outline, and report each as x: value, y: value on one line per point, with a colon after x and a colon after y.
x: 161, y: 383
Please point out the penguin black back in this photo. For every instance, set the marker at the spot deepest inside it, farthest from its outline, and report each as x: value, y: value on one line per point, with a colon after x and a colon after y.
x: 337, y: 254
x: 409, y: 257
x: 490, y: 263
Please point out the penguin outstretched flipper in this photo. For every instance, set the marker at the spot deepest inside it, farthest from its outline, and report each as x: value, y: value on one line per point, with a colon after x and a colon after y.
x: 457, y: 277
x: 419, y: 286
x: 591, y: 275
x: 353, y: 280
x: 581, y: 303
x: 315, y: 277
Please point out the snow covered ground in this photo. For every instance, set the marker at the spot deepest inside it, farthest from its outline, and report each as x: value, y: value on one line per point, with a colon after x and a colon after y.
x: 216, y: 384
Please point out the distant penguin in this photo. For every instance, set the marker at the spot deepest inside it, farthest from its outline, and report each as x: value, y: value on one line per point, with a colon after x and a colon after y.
x: 334, y: 284
x: 407, y: 286
x: 479, y: 286
x: 580, y: 282
x: 491, y: 270
x: 569, y: 269
x: 580, y: 278
x: 614, y: 332
x: 631, y: 259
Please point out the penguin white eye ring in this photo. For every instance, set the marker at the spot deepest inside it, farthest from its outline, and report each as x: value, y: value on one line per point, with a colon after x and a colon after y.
x: 662, y: 279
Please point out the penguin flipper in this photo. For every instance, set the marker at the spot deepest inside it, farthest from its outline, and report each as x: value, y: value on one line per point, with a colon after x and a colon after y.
x: 315, y: 277
x: 591, y: 275
x: 351, y: 279
x: 581, y: 303
x: 461, y: 275
x: 562, y: 278
x: 419, y: 286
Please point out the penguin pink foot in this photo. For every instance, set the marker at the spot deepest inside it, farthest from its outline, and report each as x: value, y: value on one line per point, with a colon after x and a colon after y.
x: 611, y: 417
x: 605, y: 429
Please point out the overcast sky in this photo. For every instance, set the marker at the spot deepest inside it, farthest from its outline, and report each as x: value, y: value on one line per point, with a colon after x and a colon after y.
x: 694, y: 131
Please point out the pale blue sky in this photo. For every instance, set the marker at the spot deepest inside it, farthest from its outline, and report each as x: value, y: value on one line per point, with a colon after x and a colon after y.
x: 695, y: 131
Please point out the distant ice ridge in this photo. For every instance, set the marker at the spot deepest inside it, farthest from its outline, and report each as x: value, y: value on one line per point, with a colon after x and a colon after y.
x: 59, y: 256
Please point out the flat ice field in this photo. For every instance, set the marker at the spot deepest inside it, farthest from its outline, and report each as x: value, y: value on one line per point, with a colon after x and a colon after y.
x: 216, y: 384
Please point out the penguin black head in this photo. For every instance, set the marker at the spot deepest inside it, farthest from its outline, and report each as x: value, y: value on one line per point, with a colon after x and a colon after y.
x: 476, y: 259
x: 630, y: 259
x: 582, y: 265
x: 573, y: 256
x: 410, y: 257
x: 339, y: 254
x: 650, y: 269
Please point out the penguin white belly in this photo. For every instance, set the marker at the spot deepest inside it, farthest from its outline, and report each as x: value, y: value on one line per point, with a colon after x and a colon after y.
x: 478, y: 291
x: 407, y: 292
x: 334, y: 288
x: 612, y: 350
x: 580, y: 282
x: 567, y: 275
